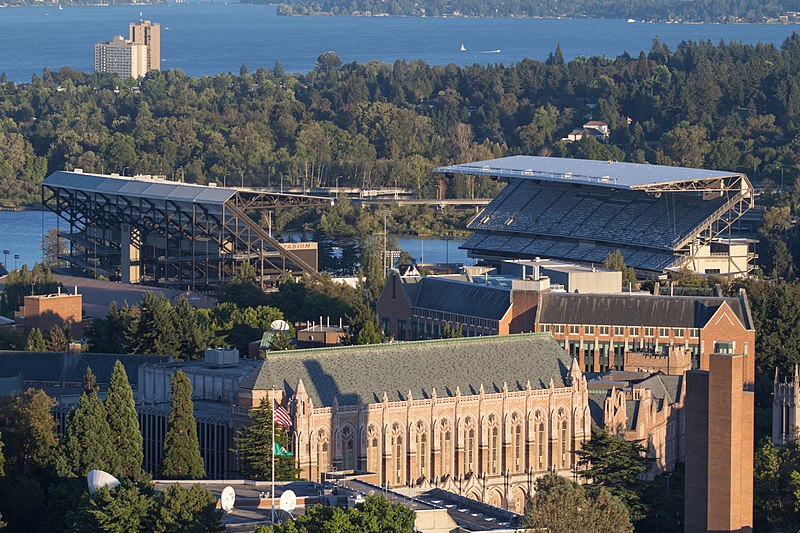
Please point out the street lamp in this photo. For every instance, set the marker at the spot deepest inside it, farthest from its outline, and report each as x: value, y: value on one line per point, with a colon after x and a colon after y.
x: 225, y: 179
x: 124, y: 169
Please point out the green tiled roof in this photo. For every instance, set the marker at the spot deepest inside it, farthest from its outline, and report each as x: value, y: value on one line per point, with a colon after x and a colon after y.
x: 361, y: 374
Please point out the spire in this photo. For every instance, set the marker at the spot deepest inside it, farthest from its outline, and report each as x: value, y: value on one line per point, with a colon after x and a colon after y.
x: 301, y: 389
x: 505, y: 386
x: 458, y: 390
x: 575, y: 372
x: 528, y: 385
x: 433, y: 393
x: 410, y: 396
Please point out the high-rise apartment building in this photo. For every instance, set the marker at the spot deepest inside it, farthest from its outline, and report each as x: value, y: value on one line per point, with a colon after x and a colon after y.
x: 123, y: 58
x: 148, y: 34
x: 134, y: 57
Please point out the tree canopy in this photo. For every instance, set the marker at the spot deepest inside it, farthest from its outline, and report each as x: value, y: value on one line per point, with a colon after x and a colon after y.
x: 181, y: 459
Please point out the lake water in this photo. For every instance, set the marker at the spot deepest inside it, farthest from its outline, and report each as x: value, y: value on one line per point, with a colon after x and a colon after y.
x: 209, y: 38
x: 21, y: 234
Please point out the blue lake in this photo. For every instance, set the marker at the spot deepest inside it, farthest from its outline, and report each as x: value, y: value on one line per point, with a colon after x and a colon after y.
x: 209, y: 38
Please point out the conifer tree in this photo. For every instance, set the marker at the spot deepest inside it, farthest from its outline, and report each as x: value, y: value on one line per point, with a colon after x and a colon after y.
x: 126, y: 435
x: 182, y: 459
x: 88, y: 441
x: 36, y: 341
x: 57, y: 340
x: 254, y: 446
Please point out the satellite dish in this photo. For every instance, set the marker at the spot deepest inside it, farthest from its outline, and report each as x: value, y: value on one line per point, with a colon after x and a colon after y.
x: 97, y: 479
x: 227, y: 499
x: 288, y: 501
x: 279, y: 325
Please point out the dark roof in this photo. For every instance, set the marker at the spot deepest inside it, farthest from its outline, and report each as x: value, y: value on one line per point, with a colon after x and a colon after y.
x: 664, y: 387
x: 456, y: 296
x: 597, y: 406
x: 361, y: 374
x: 56, y: 367
x: 11, y: 385
x: 635, y: 310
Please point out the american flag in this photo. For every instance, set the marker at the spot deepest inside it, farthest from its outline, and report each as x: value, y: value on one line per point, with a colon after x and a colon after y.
x: 281, y: 416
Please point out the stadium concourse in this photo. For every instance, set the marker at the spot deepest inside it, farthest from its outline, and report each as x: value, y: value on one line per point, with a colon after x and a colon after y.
x: 661, y: 218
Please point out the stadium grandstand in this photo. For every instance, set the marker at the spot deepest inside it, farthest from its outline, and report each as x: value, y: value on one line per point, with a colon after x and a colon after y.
x: 151, y: 230
x: 661, y: 218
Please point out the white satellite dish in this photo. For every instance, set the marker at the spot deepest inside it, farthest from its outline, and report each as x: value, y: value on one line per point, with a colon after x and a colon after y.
x: 288, y: 501
x: 227, y: 499
x: 279, y: 325
x: 97, y: 479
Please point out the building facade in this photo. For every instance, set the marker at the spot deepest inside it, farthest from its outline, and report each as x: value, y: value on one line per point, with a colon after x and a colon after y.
x: 786, y: 408
x: 123, y: 58
x: 49, y: 310
x: 435, y: 413
x: 149, y: 35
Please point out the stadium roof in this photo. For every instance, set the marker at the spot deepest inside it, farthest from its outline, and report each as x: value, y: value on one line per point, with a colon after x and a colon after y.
x: 599, y: 173
x: 139, y: 187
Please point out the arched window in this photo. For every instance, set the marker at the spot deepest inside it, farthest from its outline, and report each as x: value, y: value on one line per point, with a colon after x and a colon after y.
x: 447, y: 448
x: 516, y: 431
x: 322, y: 451
x: 422, y: 449
x: 540, y: 444
x: 373, y: 455
x: 348, y: 449
x: 469, y: 456
x: 397, y: 450
x: 564, y: 436
x: 494, y: 451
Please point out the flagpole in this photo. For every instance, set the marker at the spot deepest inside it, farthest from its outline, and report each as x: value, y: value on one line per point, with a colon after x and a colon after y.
x: 272, y: 400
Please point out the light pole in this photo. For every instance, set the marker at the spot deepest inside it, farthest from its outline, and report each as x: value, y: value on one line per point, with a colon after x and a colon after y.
x: 124, y: 169
x: 384, y: 213
x: 447, y: 239
x: 225, y: 179
x: 5, y: 258
x: 16, y: 258
x: 241, y: 173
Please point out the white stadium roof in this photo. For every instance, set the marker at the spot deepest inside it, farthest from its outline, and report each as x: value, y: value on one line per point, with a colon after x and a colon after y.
x: 151, y: 188
x: 598, y: 173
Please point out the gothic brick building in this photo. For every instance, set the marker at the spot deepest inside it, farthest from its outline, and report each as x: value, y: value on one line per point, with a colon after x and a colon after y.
x: 786, y: 408
x: 482, y: 417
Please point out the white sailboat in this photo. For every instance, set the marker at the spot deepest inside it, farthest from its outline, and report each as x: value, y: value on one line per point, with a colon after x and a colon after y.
x: 463, y: 48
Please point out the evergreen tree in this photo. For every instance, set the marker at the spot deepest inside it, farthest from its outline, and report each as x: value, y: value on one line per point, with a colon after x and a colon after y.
x: 187, y: 510
x: 89, y: 444
x: 363, y: 329
x: 155, y: 332
x: 29, y: 436
x: 126, y: 508
x: 280, y: 342
x: 375, y: 515
x: 452, y: 332
x: 191, y: 340
x: 254, y: 446
x: 10, y: 340
x: 181, y: 459
x: 36, y: 341
x: 124, y: 425
x: 57, y: 340
x: 615, y: 464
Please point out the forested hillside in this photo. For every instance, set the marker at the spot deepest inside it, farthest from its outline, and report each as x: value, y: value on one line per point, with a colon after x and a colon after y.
x: 658, y: 10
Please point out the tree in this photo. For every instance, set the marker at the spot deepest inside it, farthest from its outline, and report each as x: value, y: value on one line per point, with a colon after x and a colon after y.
x: 559, y: 504
x: 363, y: 329
x: 451, y: 332
x: 155, y: 332
x: 616, y: 261
x: 280, y: 342
x: 124, y: 425
x: 123, y: 509
x: 254, y: 446
x: 181, y: 458
x: 89, y: 444
x: 28, y: 428
x: 57, y: 340
x: 182, y: 510
x: 10, y: 340
x: 372, y: 270
x: 375, y: 515
x: 776, y: 491
x: 36, y: 341
x: 615, y: 464
x: 243, y: 290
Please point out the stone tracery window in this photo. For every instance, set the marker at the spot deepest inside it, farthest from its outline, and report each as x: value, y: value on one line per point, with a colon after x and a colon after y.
x: 516, y: 435
x: 422, y: 449
x: 323, y: 442
x: 469, y: 455
x: 447, y: 447
x: 373, y: 454
x: 348, y: 449
x: 494, y: 445
x: 397, y: 450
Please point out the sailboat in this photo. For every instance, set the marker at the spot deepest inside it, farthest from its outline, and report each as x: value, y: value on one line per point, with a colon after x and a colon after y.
x: 463, y: 48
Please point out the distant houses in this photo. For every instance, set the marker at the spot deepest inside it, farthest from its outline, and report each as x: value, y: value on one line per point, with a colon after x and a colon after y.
x: 593, y: 128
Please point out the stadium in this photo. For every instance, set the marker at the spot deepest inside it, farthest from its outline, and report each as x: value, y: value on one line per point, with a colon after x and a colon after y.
x: 661, y: 218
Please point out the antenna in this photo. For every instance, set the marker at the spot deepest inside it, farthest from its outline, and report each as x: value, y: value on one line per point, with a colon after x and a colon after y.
x: 227, y: 499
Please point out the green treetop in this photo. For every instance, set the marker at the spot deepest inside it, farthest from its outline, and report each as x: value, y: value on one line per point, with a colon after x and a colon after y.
x: 57, y: 340
x: 254, y: 446
x: 375, y: 515
x: 124, y: 424
x: 29, y: 436
x: 155, y: 332
x: 559, y: 504
x: 88, y: 441
x: 187, y: 510
x: 36, y: 341
x: 182, y: 458
x: 615, y: 464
